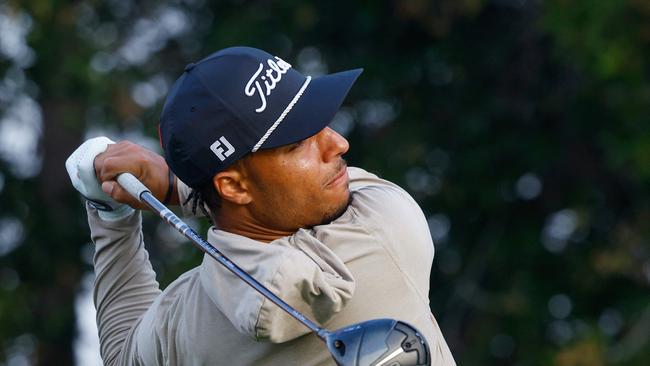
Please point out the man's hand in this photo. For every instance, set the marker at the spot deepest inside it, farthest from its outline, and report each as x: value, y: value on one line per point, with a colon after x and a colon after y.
x: 95, y: 165
x: 80, y: 167
x: 149, y: 167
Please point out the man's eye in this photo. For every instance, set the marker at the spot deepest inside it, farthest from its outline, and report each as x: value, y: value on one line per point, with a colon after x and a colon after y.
x: 295, y: 145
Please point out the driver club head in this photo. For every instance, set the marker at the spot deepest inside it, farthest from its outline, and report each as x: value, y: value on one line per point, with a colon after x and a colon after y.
x: 378, y: 342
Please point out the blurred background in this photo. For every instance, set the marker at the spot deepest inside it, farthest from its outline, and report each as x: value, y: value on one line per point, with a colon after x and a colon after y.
x: 520, y: 126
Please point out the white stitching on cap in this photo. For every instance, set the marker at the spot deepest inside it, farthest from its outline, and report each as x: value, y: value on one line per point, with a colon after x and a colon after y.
x: 284, y: 114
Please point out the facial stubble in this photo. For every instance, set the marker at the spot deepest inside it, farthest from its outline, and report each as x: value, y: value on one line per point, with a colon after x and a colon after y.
x: 337, y: 211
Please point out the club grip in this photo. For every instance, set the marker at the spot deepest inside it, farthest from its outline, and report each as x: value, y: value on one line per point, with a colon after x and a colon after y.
x: 132, y: 185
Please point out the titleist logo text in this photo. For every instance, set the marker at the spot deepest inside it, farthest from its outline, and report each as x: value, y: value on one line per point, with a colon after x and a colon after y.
x: 269, y: 78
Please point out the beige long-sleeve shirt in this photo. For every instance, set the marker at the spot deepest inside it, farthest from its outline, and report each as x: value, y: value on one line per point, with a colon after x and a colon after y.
x: 372, y: 262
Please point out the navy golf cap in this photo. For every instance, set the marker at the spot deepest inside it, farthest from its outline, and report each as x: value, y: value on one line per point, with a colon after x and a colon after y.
x: 240, y: 100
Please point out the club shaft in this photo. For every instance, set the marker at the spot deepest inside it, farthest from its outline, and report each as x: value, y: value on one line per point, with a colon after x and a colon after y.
x: 168, y: 216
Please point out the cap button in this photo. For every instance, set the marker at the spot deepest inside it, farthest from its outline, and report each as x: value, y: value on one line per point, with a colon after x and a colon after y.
x: 189, y: 67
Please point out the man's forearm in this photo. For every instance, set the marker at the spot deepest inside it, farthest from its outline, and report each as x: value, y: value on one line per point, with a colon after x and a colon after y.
x: 125, y: 284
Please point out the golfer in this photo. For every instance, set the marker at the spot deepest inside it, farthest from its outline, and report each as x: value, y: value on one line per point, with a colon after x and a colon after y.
x: 246, y: 143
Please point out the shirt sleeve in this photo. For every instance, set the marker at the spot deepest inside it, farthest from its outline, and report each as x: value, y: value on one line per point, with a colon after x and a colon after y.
x: 125, y: 283
x: 393, y: 217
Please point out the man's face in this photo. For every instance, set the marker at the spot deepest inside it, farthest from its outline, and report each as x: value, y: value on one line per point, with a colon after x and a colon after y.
x: 299, y: 185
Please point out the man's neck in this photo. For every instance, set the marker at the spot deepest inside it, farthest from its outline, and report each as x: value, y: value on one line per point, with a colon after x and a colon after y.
x: 241, y: 223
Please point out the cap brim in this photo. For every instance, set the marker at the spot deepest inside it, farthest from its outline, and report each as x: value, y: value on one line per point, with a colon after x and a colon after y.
x: 314, y: 110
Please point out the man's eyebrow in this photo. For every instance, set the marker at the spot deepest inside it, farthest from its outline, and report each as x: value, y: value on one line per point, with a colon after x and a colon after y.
x: 293, y: 145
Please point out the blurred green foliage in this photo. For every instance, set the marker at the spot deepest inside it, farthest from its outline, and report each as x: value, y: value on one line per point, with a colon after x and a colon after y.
x: 520, y: 126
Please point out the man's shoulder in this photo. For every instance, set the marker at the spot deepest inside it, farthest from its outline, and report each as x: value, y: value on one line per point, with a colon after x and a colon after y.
x: 377, y: 195
x: 385, y: 210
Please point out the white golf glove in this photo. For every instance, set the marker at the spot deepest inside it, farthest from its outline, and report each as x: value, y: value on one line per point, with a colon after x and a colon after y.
x: 81, y: 169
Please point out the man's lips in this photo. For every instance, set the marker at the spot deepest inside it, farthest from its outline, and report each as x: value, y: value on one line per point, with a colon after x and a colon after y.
x: 339, y: 177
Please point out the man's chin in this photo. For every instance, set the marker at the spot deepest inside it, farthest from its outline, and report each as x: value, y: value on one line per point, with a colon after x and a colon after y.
x: 337, y: 212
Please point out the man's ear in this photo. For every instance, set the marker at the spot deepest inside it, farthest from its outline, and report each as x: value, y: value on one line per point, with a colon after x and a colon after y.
x: 232, y: 187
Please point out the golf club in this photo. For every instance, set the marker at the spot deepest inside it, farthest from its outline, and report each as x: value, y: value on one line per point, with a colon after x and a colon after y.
x: 374, y: 342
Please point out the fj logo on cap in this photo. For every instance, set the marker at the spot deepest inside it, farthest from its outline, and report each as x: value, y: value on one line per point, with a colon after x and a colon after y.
x: 270, y: 78
x: 218, y: 148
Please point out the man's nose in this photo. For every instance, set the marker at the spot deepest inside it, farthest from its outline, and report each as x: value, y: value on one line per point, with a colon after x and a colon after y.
x: 333, y: 144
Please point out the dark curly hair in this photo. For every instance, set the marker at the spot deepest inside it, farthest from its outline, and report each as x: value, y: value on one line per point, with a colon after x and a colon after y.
x: 207, y: 199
